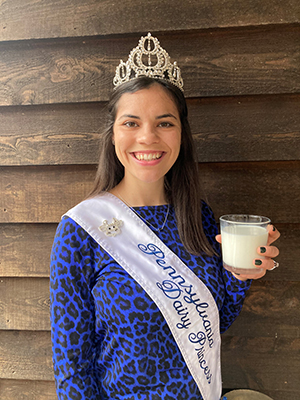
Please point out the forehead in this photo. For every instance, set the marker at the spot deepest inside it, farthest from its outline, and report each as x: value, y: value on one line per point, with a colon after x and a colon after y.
x: 154, y: 99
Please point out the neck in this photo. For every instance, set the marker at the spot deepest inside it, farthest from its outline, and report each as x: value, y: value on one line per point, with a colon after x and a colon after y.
x: 142, y: 194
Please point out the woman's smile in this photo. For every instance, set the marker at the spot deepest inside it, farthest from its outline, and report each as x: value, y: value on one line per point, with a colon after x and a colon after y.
x: 148, y: 158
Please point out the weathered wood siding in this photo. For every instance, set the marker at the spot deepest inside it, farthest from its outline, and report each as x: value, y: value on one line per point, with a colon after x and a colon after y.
x: 240, y: 62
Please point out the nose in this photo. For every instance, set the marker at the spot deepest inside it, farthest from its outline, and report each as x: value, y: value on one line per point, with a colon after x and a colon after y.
x: 147, y: 135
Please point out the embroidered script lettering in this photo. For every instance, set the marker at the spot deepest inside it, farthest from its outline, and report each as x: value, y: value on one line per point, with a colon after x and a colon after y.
x: 200, y: 339
x: 152, y: 249
x: 200, y: 307
x: 172, y: 291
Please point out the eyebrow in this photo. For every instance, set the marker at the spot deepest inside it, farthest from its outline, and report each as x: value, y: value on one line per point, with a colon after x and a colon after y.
x: 158, y: 117
x: 129, y: 116
x: 166, y: 116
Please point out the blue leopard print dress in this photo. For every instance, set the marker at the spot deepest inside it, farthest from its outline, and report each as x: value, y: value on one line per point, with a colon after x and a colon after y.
x: 110, y: 340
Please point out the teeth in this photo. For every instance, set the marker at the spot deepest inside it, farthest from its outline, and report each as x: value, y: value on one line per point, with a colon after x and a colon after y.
x: 147, y: 157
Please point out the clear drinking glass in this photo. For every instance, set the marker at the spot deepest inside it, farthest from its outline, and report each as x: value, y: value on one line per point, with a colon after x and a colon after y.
x: 242, y: 234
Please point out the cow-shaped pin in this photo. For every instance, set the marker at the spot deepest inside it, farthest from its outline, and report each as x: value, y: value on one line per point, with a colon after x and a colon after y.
x: 112, y: 229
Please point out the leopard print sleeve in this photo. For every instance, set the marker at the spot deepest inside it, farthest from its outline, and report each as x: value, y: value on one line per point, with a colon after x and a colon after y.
x: 236, y: 291
x: 72, y: 313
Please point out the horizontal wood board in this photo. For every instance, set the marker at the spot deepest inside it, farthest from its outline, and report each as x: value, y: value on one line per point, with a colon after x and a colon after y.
x: 271, y: 309
x: 25, y: 249
x: 274, y: 394
x: 251, y: 128
x: 265, y: 188
x: 12, y: 389
x: 24, y: 304
x: 254, y: 128
x: 36, y: 194
x: 59, y: 18
x: 52, y: 134
x: 26, y: 355
x: 259, y: 362
x: 264, y: 60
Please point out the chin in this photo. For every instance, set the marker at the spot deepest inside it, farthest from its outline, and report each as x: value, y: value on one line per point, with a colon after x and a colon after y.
x: 150, y: 179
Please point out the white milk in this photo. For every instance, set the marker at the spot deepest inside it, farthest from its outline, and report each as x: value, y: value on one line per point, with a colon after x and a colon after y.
x: 239, y: 245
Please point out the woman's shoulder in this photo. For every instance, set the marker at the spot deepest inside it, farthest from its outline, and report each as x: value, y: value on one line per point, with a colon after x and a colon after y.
x: 70, y: 234
x: 67, y: 226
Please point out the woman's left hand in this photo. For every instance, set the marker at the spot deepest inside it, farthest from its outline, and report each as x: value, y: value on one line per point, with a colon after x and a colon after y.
x: 268, y: 252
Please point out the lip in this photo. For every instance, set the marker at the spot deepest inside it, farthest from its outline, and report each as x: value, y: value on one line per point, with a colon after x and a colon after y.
x: 146, y: 162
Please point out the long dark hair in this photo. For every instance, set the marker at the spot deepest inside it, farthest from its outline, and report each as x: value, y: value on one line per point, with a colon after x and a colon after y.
x: 182, y: 183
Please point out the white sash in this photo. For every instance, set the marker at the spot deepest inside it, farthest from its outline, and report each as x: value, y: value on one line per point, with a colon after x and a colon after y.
x: 185, y: 302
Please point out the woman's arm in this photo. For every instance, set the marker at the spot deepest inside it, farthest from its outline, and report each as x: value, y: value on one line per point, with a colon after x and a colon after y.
x: 72, y: 314
x: 235, y: 293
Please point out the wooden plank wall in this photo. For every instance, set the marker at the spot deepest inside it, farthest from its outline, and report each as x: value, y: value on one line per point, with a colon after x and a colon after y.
x: 241, y: 66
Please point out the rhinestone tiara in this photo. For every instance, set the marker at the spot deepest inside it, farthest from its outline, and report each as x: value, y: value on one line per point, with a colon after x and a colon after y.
x: 148, y: 59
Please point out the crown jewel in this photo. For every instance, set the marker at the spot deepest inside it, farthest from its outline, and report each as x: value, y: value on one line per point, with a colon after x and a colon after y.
x: 148, y: 59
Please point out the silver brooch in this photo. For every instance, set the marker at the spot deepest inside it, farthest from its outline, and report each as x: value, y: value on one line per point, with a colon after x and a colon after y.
x: 112, y: 229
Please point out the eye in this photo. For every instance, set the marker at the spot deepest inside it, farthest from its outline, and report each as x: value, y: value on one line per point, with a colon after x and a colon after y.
x: 165, y: 124
x: 130, y: 124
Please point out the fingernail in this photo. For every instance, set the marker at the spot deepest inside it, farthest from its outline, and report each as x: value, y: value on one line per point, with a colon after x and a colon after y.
x: 263, y: 249
x: 258, y: 262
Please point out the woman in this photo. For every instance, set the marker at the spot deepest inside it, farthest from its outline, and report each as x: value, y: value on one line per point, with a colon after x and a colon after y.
x: 129, y: 319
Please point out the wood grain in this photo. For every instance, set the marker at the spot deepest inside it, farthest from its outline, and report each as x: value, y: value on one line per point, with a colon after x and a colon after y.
x: 24, y: 304
x: 256, y: 61
x: 252, y: 128
x: 273, y: 393
x: 52, y: 134
x: 26, y: 355
x: 11, y: 389
x: 226, y: 129
x: 264, y: 188
x: 260, y: 362
x: 56, y: 18
x: 289, y: 256
x: 25, y: 249
x: 271, y: 309
x: 44, y: 194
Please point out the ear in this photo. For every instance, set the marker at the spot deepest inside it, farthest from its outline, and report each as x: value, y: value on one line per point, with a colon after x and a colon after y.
x: 113, y: 140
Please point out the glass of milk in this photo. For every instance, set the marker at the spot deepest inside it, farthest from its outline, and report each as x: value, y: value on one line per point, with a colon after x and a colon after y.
x: 241, y: 236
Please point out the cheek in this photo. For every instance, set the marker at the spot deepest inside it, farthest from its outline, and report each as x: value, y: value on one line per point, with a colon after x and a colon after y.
x: 178, y: 146
x: 178, y: 142
x: 120, y: 144
x: 118, y: 152
x: 121, y: 147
